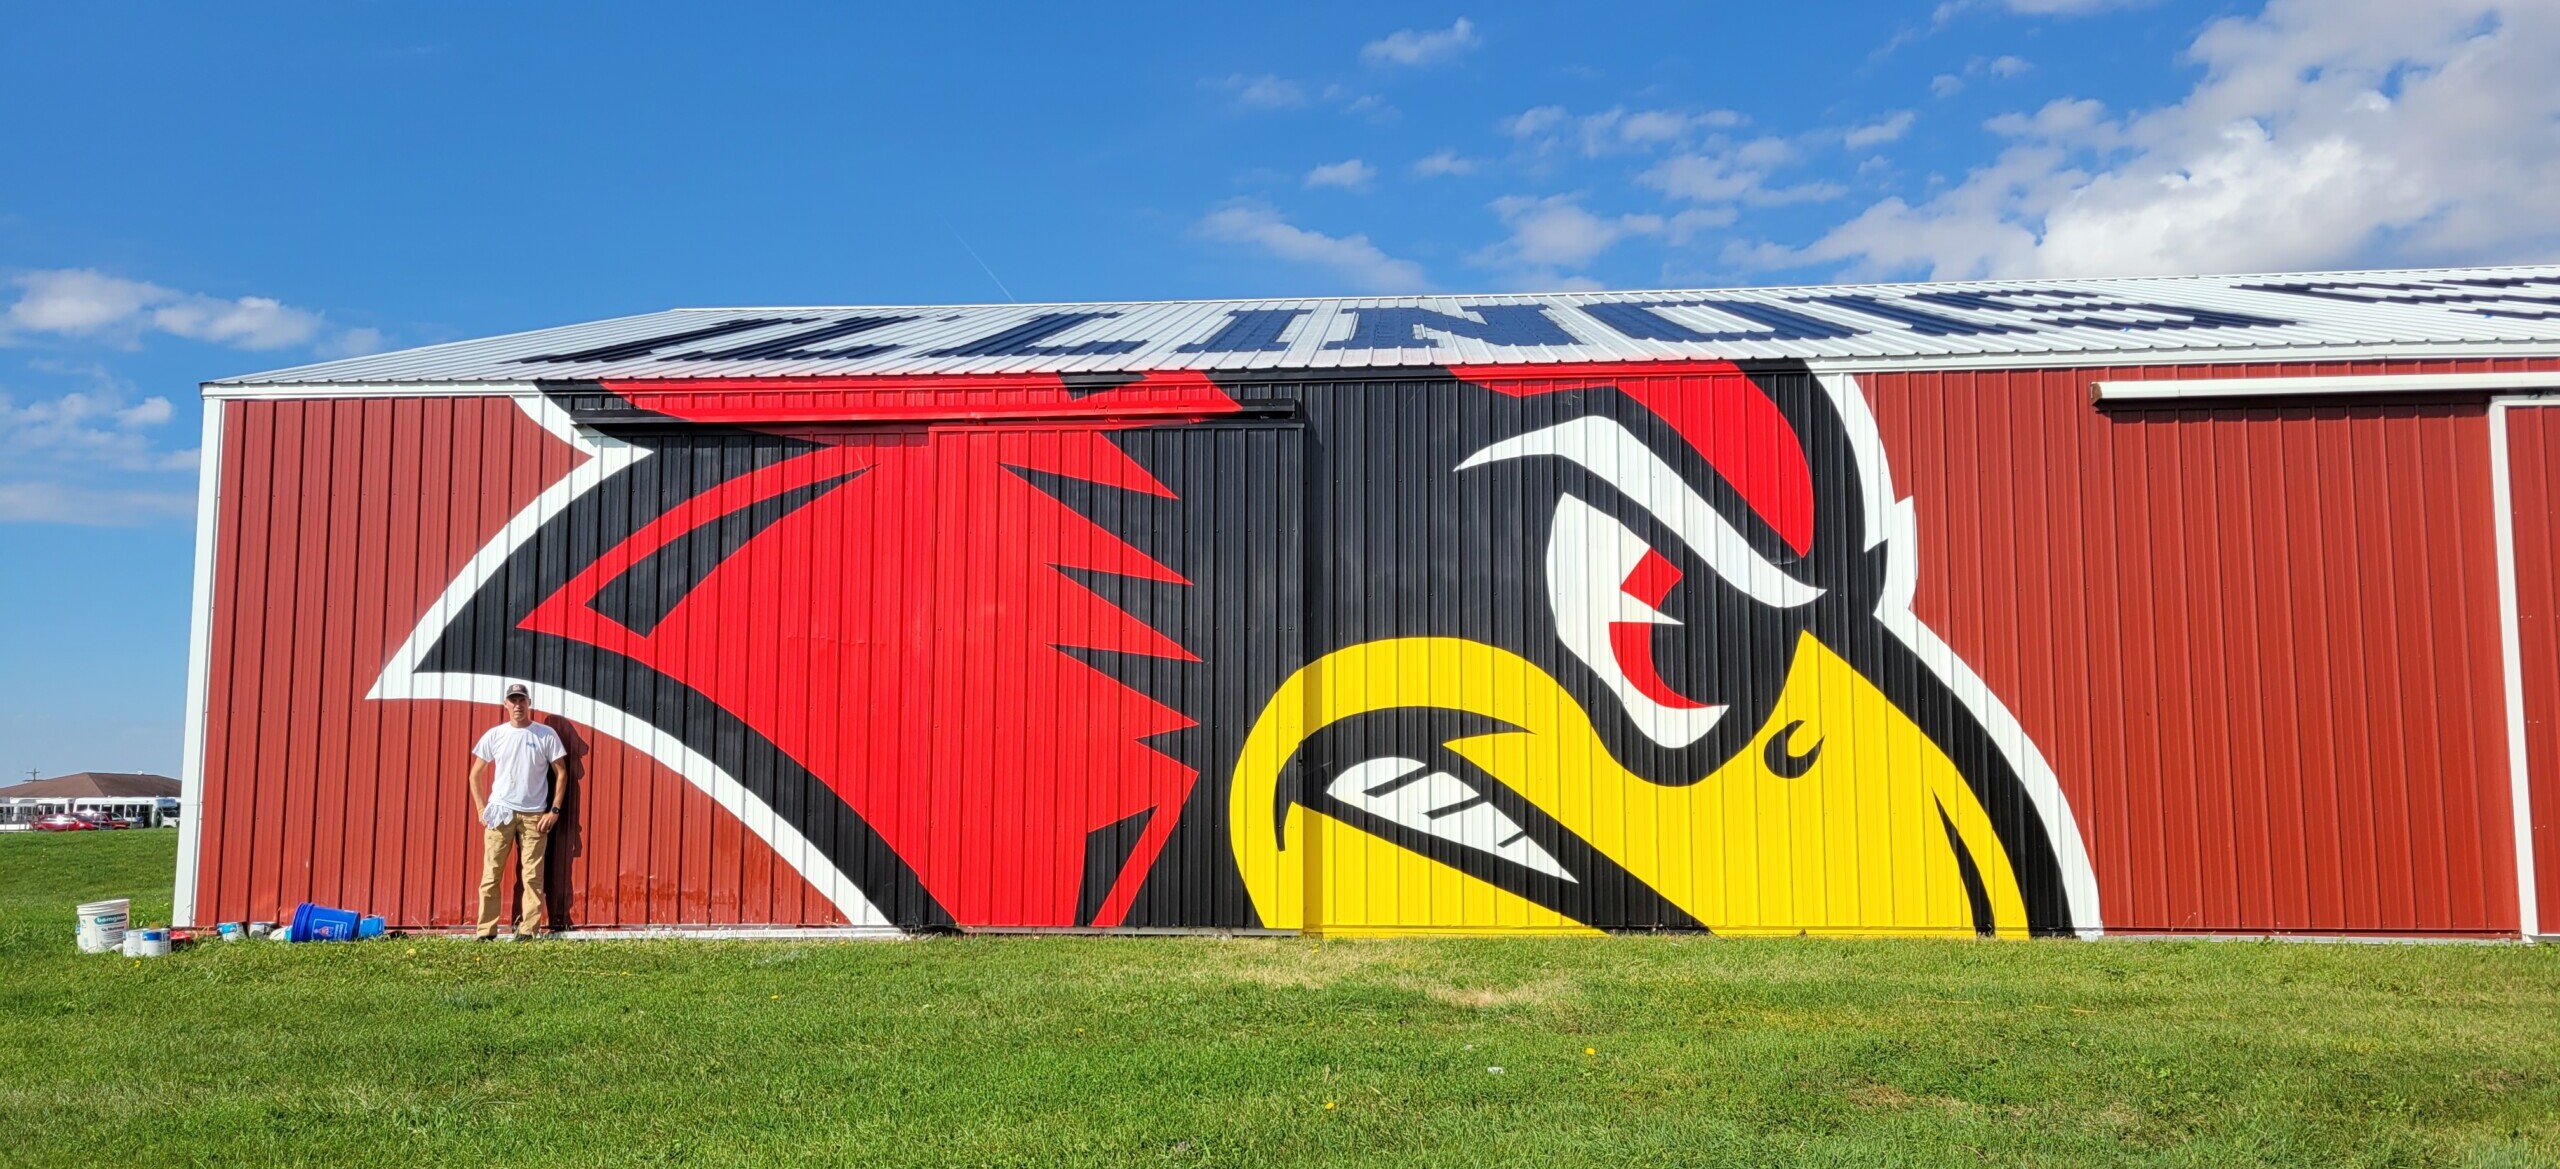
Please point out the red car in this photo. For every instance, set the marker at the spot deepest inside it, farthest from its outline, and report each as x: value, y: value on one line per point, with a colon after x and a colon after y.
x: 64, y: 822
x: 105, y: 820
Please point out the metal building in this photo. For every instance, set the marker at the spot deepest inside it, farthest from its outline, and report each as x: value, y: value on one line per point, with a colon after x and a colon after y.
x: 2213, y: 605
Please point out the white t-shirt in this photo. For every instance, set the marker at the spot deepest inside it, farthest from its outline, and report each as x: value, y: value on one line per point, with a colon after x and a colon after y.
x: 520, y: 765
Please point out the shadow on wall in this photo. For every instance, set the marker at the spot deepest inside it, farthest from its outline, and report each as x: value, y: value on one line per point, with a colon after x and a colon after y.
x: 568, y: 838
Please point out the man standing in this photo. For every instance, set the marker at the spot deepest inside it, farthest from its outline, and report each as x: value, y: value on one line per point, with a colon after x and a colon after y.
x: 520, y: 808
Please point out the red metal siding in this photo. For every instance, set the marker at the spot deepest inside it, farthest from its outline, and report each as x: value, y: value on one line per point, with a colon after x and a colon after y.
x: 2258, y: 642
x: 2533, y: 443
x: 340, y: 523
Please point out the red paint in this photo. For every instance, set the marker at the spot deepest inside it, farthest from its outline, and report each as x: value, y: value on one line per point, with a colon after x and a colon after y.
x: 340, y: 523
x: 925, y: 398
x: 1722, y: 413
x: 938, y: 531
x: 2258, y: 643
x: 2533, y: 443
x: 1632, y: 641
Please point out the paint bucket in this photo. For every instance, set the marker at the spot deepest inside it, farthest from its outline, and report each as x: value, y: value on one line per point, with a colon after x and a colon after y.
x: 102, y: 925
x: 262, y: 929
x: 370, y: 927
x: 230, y: 931
x: 146, y: 943
x: 321, y: 923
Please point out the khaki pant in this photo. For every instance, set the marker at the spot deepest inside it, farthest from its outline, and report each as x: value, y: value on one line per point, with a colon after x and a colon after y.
x: 524, y: 831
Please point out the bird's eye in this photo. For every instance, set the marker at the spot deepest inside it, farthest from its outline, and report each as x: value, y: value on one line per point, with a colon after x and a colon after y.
x: 1606, y: 583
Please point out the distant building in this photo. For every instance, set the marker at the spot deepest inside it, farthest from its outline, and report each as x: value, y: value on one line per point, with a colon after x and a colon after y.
x: 149, y: 800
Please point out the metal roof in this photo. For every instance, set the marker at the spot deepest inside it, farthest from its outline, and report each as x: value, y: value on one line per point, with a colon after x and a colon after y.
x: 2432, y: 312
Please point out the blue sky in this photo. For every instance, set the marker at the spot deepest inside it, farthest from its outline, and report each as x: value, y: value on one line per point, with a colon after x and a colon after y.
x: 189, y: 195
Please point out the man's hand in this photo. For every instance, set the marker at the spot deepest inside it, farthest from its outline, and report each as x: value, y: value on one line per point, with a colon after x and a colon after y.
x: 549, y: 819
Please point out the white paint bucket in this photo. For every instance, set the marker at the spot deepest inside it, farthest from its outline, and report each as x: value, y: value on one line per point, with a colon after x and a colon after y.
x: 147, y: 943
x: 102, y: 925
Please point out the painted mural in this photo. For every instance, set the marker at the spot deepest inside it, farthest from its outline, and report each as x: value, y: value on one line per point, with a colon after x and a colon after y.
x: 1477, y: 649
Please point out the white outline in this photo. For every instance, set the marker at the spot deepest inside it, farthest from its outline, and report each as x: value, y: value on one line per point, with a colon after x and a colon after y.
x: 1589, y: 555
x: 182, y: 911
x: 2511, y: 660
x: 1620, y: 459
x: 2286, y: 387
x: 402, y: 679
x: 1896, y: 525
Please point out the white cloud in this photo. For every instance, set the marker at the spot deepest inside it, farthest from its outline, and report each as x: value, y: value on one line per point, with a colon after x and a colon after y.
x: 2324, y: 133
x: 1737, y: 175
x: 2068, y: 7
x: 1264, y: 91
x: 1614, y: 130
x: 1879, y: 133
x: 1355, y: 260
x: 1556, y: 232
x: 1950, y: 9
x: 1530, y: 123
x: 1420, y: 46
x: 64, y: 503
x: 1445, y: 162
x: 1350, y: 174
x: 1945, y: 85
x: 2007, y: 66
x: 88, y: 430
x: 358, y: 342
x: 80, y: 302
x: 87, y: 457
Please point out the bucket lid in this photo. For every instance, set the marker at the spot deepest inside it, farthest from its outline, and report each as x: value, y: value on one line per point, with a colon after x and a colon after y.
x: 119, y: 905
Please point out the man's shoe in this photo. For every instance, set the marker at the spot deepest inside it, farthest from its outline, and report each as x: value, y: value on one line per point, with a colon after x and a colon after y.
x: 484, y: 937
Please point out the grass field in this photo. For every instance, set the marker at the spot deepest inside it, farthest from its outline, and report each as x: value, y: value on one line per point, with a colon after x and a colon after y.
x: 1109, y: 1051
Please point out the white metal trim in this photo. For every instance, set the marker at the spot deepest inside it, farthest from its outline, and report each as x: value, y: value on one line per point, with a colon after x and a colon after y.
x: 2285, y: 387
x: 2090, y: 359
x: 199, y: 668
x: 2511, y: 653
x: 216, y: 391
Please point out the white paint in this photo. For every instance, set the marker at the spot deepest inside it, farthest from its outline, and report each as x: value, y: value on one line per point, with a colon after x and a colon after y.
x: 402, y: 677
x: 1589, y: 555
x: 2293, y: 387
x: 199, y: 668
x: 1893, y: 610
x: 1423, y: 804
x: 1620, y: 459
x: 2511, y: 664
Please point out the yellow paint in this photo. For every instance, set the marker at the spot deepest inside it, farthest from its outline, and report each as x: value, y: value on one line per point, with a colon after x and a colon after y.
x: 1853, y: 846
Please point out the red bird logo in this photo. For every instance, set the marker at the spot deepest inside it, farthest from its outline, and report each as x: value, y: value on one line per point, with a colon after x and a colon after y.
x: 1134, y: 662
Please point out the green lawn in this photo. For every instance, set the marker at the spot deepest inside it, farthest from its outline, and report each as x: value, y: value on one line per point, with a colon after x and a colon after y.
x: 1044, y: 1051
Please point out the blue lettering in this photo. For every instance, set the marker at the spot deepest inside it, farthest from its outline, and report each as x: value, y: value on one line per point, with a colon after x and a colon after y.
x: 1021, y: 340
x: 1250, y: 330
x: 1636, y: 319
x: 793, y: 346
x: 1503, y: 324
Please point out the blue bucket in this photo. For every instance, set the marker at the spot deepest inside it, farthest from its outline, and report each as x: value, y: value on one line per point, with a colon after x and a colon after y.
x: 370, y: 927
x: 320, y: 923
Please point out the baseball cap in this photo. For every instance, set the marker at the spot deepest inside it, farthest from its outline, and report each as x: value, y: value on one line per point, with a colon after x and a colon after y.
x: 516, y: 690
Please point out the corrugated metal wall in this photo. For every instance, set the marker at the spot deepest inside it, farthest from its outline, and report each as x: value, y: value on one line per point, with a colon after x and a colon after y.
x: 1514, y: 649
x: 341, y: 522
x: 2259, y: 643
x: 2533, y: 443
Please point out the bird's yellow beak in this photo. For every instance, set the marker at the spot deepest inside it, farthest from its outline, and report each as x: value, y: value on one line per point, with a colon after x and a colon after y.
x: 1874, y: 832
